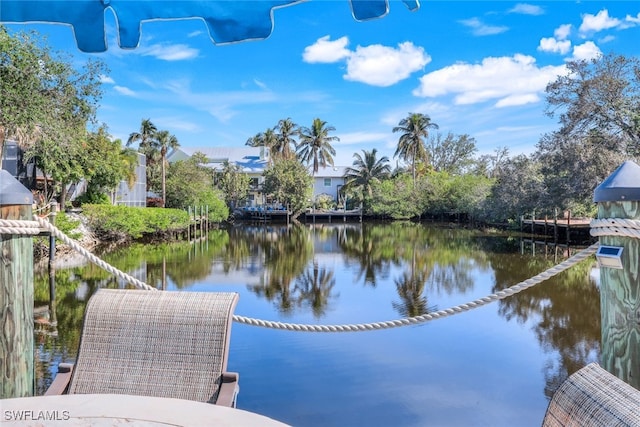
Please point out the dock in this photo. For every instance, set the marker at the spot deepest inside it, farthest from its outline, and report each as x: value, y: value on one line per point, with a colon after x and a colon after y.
x: 566, y: 229
x: 323, y: 215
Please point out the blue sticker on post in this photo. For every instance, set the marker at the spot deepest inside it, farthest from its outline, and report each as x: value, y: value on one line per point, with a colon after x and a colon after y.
x: 227, y: 20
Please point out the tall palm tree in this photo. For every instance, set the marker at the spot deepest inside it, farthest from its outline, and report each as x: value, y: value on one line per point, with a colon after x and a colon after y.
x: 165, y: 141
x: 411, y: 146
x: 286, y: 130
x: 315, y: 144
x: 366, y: 170
x: 267, y: 139
x: 145, y: 136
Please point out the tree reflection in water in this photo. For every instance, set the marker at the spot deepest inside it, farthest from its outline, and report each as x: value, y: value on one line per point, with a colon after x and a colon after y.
x: 565, y: 312
x: 293, y: 268
x: 313, y: 289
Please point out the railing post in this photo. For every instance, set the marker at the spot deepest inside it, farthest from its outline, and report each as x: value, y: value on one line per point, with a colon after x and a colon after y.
x: 619, y: 197
x: 16, y: 293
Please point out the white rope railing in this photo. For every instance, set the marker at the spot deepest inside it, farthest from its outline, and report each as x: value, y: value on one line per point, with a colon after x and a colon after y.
x: 439, y: 314
x: 19, y: 227
x: 615, y: 227
x: 568, y: 263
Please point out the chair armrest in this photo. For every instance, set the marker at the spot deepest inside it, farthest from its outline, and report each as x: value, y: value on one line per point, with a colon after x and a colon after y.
x: 228, y: 390
x: 61, y: 381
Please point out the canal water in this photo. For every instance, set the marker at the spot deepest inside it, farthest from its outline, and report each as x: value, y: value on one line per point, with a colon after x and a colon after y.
x: 493, y: 366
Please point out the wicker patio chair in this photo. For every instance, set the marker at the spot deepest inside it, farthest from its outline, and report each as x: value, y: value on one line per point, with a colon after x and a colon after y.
x: 154, y: 343
x: 592, y: 397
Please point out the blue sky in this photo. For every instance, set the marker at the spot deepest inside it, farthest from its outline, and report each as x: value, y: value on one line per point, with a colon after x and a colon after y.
x: 475, y: 67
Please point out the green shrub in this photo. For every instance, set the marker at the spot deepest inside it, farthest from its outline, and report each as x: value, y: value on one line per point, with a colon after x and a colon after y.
x: 122, y: 223
x: 67, y: 225
x: 93, y: 198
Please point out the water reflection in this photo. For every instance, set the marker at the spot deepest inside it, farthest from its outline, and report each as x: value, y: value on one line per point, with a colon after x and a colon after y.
x: 352, y: 273
x: 558, y: 310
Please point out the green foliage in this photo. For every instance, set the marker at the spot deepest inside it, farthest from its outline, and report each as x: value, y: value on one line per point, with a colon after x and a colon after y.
x: 190, y: 184
x: 47, y: 102
x: 93, y: 197
x: 233, y: 183
x: 106, y: 164
x: 440, y: 193
x: 68, y: 225
x: 453, y: 154
x: 366, y: 170
x: 289, y: 183
x: 411, y: 146
x: 314, y: 146
x: 395, y: 198
x: 324, y: 201
x: 123, y: 223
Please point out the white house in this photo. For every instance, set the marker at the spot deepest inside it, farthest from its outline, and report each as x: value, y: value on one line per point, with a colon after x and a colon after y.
x: 328, y: 181
x: 253, y: 161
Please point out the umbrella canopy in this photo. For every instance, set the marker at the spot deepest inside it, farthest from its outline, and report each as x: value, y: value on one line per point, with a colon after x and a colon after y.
x: 227, y: 21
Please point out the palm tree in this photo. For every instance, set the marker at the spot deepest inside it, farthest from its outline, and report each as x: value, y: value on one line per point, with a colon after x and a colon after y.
x: 366, y: 170
x: 267, y: 139
x: 315, y: 144
x: 165, y: 140
x: 286, y: 130
x: 145, y: 136
x: 411, y: 146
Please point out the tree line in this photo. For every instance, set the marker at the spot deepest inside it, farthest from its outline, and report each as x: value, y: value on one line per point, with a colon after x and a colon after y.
x: 49, y: 107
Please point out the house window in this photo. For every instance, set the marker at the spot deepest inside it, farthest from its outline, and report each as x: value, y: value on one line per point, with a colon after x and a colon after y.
x: 327, y: 182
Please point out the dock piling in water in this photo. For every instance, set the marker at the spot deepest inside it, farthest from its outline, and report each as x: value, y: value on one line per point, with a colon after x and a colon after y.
x: 16, y: 293
x: 618, y: 197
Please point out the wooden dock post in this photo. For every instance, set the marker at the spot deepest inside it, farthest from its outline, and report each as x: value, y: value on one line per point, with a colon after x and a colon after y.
x: 619, y: 197
x: 16, y: 293
x: 555, y: 226
x: 53, y: 319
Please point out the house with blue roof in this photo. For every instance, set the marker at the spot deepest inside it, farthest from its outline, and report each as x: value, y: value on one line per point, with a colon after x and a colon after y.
x: 253, y: 161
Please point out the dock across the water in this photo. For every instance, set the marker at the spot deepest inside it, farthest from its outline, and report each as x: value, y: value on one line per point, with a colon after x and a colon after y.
x: 566, y: 229
x: 260, y: 214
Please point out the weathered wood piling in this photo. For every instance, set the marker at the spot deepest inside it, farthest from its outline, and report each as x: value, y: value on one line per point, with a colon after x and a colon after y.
x: 618, y: 197
x: 16, y: 293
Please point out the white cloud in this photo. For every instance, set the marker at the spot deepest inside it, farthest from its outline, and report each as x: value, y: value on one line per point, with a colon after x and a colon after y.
x: 106, y: 79
x: 586, y: 51
x: 326, y: 51
x: 633, y: 19
x: 174, y: 52
x: 606, y: 39
x: 562, y: 32
x: 527, y: 9
x: 510, y: 81
x: 260, y: 84
x: 379, y: 65
x: 124, y: 91
x: 177, y: 124
x: 550, y: 44
x: 518, y: 99
x: 599, y: 22
x: 375, y: 65
x: 481, y: 29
